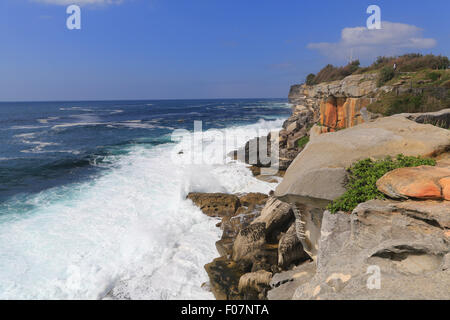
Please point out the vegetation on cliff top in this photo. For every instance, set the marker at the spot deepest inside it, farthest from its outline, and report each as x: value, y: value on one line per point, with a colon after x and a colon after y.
x: 424, y: 100
x: 411, y: 62
x: 363, y: 176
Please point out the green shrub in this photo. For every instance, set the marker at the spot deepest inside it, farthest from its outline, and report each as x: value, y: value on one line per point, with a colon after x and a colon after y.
x: 332, y: 73
x: 411, y: 62
x: 303, y: 141
x: 406, y: 103
x: 310, y: 79
x: 386, y: 74
x: 363, y: 176
x: 433, y: 75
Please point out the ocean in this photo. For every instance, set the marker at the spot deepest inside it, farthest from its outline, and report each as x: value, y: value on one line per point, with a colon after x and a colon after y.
x: 92, y: 196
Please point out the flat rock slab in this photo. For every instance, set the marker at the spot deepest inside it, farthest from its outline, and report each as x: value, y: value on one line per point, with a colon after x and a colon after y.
x: 423, y: 182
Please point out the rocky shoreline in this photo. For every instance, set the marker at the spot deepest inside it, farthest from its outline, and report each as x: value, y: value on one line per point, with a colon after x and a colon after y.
x: 287, y: 245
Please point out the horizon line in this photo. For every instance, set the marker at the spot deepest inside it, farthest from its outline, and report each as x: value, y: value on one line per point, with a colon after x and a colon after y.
x: 106, y: 100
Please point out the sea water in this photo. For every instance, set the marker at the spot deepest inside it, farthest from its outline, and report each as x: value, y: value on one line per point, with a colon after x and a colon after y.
x: 93, y: 205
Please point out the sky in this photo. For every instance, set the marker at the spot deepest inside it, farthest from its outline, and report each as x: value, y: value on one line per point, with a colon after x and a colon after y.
x: 192, y: 49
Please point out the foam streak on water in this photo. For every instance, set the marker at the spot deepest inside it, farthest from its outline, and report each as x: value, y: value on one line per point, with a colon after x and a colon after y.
x: 127, y: 234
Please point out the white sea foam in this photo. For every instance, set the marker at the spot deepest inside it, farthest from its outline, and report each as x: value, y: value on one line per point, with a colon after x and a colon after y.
x: 129, y: 233
x: 45, y: 121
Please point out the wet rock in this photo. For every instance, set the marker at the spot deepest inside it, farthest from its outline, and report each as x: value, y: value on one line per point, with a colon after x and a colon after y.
x: 215, y: 204
x: 224, y: 275
x: 252, y: 285
x: 253, y: 199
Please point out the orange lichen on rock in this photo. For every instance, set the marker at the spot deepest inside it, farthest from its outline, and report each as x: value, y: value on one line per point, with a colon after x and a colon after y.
x: 340, y: 113
x: 423, y: 182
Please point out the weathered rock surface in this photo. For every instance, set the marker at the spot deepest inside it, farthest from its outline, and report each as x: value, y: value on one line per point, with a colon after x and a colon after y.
x: 254, y: 284
x: 253, y: 199
x: 407, y: 243
x: 284, y: 284
x: 340, y: 113
x: 439, y: 118
x: 340, y: 104
x: 249, y: 241
x: 423, y: 182
x: 352, y: 86
x: 318, y: 171
x: 290, y: 249
x: 224, y: 277
x: 251, y: 205
x: 276, y: 216
x: 215, y: 204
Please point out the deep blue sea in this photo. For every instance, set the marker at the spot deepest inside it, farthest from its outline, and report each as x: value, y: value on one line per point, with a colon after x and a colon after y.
x: 92, y: 203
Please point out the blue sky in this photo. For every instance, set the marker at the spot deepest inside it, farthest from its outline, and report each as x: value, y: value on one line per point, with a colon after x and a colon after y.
x: 182, y: 49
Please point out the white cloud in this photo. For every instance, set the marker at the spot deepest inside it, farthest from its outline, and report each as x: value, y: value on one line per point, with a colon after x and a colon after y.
x: 393, y: 38
x: 79, y: 2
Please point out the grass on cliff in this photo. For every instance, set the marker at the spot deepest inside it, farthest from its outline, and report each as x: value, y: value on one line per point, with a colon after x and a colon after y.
x: 411, y: 62
x: 363, y: 176
x: 303, y: 141
x: 421, y: 100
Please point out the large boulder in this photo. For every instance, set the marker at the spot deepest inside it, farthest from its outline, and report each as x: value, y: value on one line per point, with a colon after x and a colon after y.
x: 423, y: 182
x: 383, y: 250
x: 277, y: 216
x: 249, y: 241
x: 319, y: 170
x: 251, y: 206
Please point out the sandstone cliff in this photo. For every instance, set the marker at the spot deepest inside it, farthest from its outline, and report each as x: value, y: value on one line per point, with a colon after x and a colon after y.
x: 341, y: 104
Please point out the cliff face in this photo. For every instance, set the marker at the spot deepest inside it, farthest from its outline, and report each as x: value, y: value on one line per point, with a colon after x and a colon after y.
x: 341, y: 104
